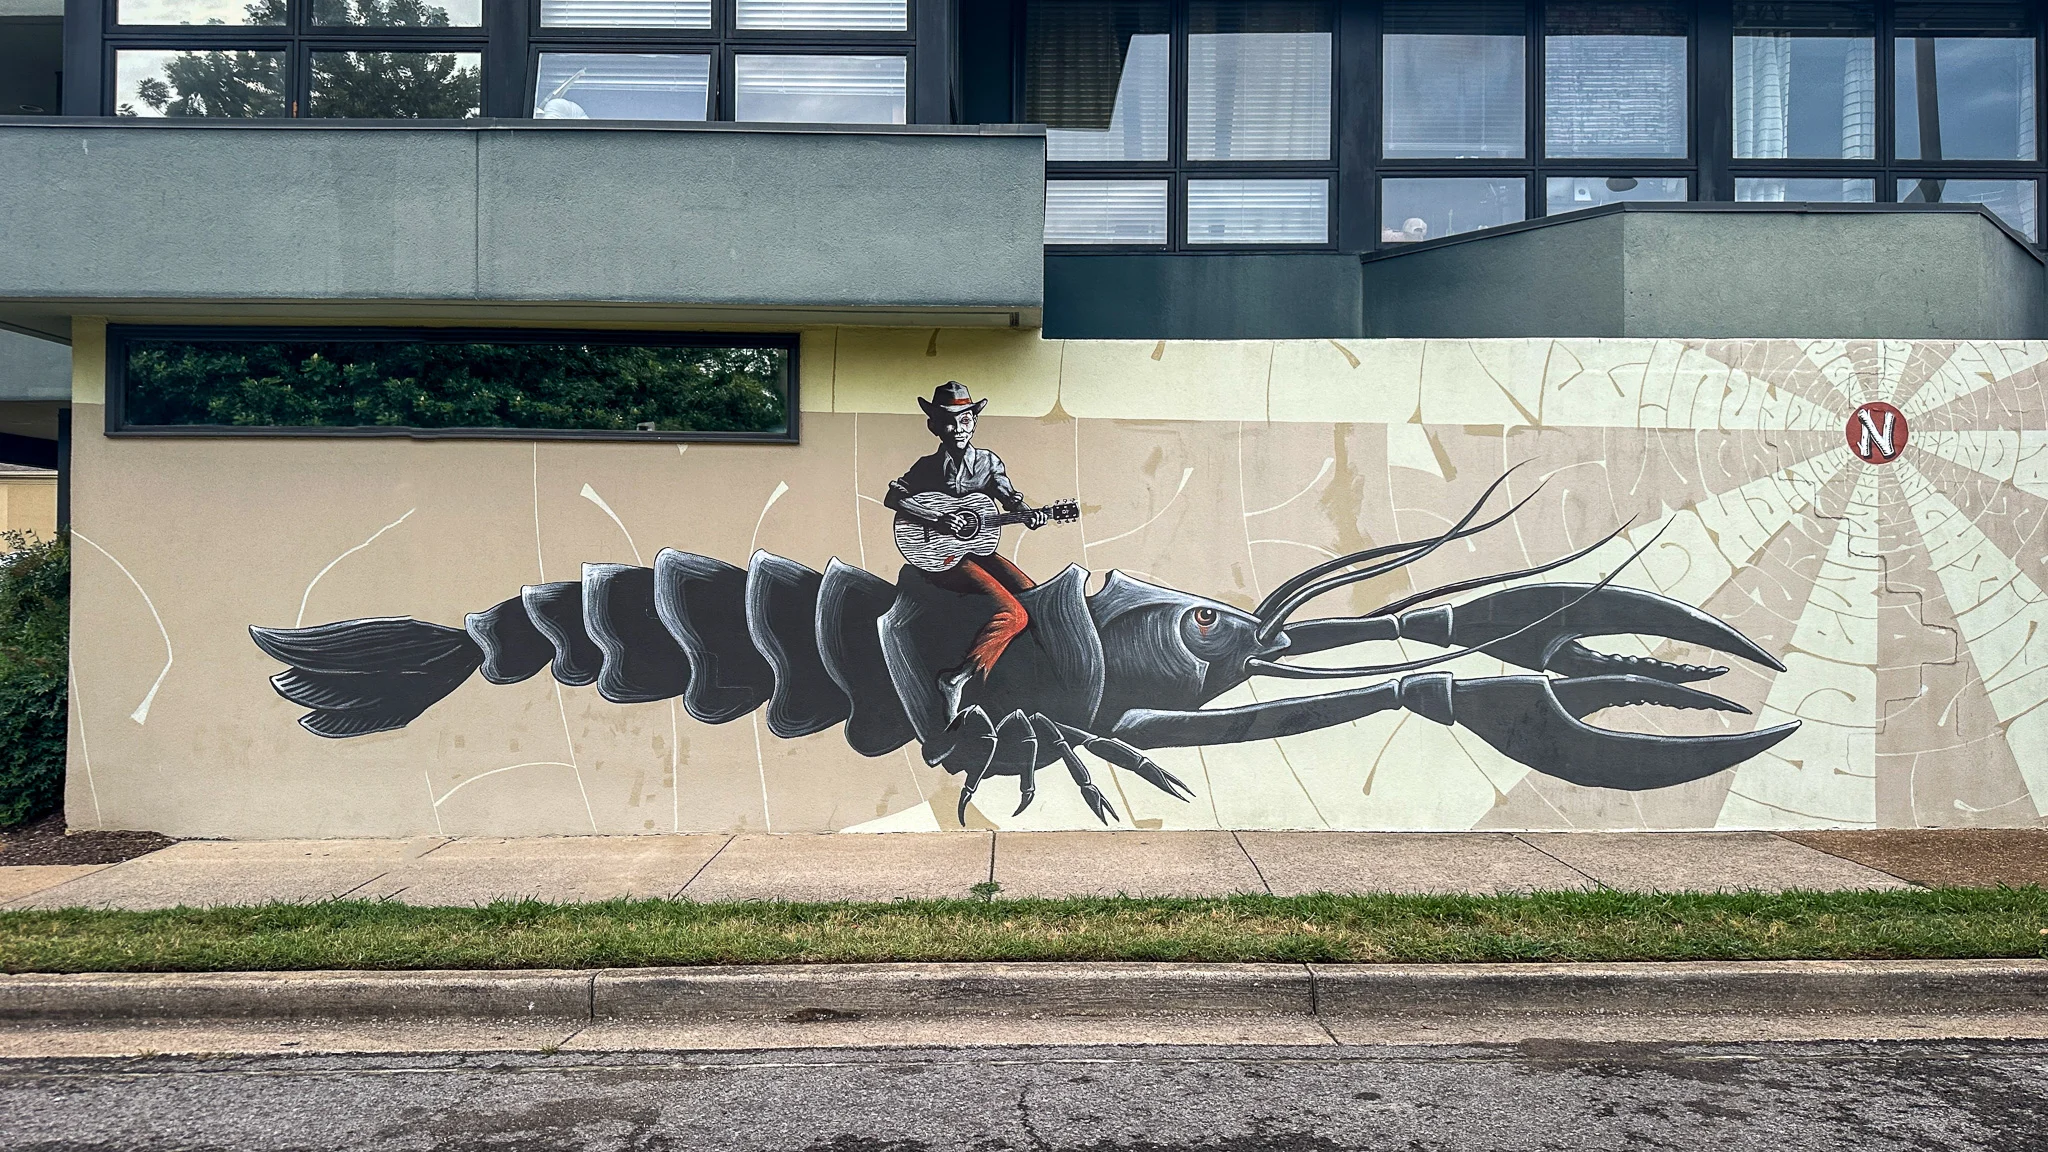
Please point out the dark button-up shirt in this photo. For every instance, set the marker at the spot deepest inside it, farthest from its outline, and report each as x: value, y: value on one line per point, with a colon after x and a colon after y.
x: 978, y: 470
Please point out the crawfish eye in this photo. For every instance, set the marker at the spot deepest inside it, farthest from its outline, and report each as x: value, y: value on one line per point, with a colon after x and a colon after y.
x: 1205, y: 618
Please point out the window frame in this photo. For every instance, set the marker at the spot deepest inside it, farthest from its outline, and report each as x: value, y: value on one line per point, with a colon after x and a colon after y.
x: 724, y: 41
x: 298, y: 37
x: 1177, y: 170
x: 119, y: 335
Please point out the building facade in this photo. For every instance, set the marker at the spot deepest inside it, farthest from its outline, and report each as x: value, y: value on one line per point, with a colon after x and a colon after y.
x: 521, y: 418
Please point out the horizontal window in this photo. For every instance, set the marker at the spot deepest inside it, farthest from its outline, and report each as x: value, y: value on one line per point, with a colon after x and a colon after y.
x: 1258, y: 211
x: 1805, y: 80
x: 1427, y: 208
x: 1965, y: 98
x: 1453, y: 79
x: 401, y: 381
x: 1097, y: 75
x: 225, y: 84
x: 1568, y: 193
x: 622, y: 86
x: 820, y: 89
x: 625, y: 13
x: 1614, y: 80
x: 397, y: 85
x: 397, y: 13
x: 1258, y: 81
x: 164, y: 13
x: 847, y: 15
x: 1805, y: 189
x: 1105, y: 212
x: 2012, y: 201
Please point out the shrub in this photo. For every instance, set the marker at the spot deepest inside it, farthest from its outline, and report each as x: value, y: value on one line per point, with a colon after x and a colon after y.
x: 35, y: 618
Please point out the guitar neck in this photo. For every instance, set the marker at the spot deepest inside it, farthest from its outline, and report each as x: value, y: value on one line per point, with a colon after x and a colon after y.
x: 1014, y: 517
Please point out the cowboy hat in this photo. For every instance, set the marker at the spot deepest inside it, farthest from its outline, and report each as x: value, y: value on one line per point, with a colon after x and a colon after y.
x: 950, y: 398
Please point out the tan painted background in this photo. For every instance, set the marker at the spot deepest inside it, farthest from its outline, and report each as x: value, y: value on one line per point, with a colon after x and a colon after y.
x: 1905, y: 599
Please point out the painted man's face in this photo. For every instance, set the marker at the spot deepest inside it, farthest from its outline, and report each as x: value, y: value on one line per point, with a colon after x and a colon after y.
x: 959, y: 429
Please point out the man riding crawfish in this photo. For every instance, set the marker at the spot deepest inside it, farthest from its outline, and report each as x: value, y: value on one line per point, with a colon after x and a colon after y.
x: 958, y: 468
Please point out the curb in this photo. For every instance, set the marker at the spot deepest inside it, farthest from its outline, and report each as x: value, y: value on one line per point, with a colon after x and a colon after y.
x: 830, y: 992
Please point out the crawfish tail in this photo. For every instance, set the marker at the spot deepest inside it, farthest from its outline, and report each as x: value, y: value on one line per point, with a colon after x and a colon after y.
x: 364, y: 676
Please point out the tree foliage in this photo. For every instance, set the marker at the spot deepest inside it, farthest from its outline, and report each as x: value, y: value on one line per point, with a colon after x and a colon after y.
x: 368, y: 85
x: 332, y: 384
x: 35, y: 618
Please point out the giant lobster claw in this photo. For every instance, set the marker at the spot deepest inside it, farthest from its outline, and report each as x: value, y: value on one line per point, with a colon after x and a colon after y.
x: 1538, y: 626
x: 1536, y: 720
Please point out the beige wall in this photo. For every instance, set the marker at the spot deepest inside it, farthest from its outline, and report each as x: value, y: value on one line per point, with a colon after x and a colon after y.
x: 1905, y: 599
x: 28, y: 503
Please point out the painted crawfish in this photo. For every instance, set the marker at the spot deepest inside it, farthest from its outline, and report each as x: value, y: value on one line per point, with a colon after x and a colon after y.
x: 1124, y: 670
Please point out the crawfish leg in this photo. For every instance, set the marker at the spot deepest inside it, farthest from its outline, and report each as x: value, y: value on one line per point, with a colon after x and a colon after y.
x: 1054, y: 733
x: 1017, y: 731
x: 1122, y: 755
x: 973, y: 752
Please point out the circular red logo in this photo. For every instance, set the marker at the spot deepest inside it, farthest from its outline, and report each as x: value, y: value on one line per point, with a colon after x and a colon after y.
x: 1877, y: 433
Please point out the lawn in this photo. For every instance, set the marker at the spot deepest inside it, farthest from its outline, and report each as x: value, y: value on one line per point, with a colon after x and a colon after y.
x: 1548, y: 926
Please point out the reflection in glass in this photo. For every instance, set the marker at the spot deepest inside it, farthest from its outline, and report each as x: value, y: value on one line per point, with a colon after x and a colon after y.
x: 1427, y: 208
x: 1096, y: 76
x: 1259, y: 81
x: 1805, y: 80
x: 621, y: 86
x: 2010, y: 200
x: 625, y: 13
x: 1454, y: 78
x: 856, y: 15
x: 397, y: 85
x: 1805, y: 189
x: 398, y: 13
x: 1568, y: 193
x: 1258, y: 211
x: 1965, y: 98
x: 1614, y: 81
x: 820, y: 89
x: 152, y: 82
x: 161, y: 13
x: 1105, y: 212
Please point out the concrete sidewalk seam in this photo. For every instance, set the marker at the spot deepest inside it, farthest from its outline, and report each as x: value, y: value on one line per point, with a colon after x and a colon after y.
x: 708, y: 860
x: 1254, y: 862
x: 1595, y: 881
x: 820, y: 993
x: 1848, y: 860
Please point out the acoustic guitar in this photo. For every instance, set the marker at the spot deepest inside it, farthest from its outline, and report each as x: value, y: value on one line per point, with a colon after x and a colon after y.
x: 934, y: 549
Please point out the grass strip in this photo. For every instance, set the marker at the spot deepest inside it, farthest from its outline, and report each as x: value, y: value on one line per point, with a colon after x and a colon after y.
x: 1544, y: 926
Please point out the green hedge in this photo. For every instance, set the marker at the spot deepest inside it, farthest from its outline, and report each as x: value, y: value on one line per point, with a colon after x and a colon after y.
x: 35, y: 618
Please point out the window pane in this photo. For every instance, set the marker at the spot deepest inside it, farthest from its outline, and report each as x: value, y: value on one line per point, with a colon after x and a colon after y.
x: 213, y: 84
x: 398, y: 13
x: 1454, y: 78
x: 1096, y: 76
x: 1425, y: 209
x: 167, y: 12
x: 884, y: 15
x: 1568, y: 193
x: 2010, y: 200
x: 1259, y: 81
x: 625, y: 13
x: 1614, y: 81
x: 1105, y: 212
x: 820, y: 89
x: 1965, y: 98
x: 583, y: 383
x: 397, y: 85
x: 618, y: 86
x: 1805, y: 80
x: 1258, y: 211
x: 1812, y: 190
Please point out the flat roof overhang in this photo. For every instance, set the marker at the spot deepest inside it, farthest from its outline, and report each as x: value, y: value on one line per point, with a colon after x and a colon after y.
x: 521, y: 221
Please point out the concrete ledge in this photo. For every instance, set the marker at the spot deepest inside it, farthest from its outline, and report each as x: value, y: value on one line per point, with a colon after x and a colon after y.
x: 874, y: 992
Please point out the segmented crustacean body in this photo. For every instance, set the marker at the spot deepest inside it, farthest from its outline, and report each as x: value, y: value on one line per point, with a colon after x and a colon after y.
x: 726, y: 640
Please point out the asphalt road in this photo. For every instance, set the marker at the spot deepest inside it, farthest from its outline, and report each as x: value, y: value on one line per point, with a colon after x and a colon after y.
x: 1863, y: 1096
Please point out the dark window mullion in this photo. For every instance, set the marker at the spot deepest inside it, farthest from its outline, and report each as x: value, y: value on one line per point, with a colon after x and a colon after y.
x: 1536, y: 113
x: 1177, y: 125
x: 1356, y: 111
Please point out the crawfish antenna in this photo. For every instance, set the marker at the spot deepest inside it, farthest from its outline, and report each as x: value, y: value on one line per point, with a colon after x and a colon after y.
x: 1297, y: 672
x: 1289, y: 597
x: 1407, y: 602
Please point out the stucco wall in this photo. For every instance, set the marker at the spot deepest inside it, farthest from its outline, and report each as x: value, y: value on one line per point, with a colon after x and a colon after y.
x: 1904, y: 599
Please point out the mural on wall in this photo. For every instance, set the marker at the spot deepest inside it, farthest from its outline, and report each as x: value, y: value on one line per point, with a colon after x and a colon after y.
x: 1893, y: 573
x: 1118, y: 673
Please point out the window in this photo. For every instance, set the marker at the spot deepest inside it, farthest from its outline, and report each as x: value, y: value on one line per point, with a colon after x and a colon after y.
x: 1965, y: 82
x: 441, y: 382
x: 372, y: 59
x: 1805, y: 80
x: 1570, y: 193
x: 770, y: 61
x: 1197, y: 124
x: 1454, y: 78
x: 1432, y: 208
x: 2012, y: 201
x: 1813, y: 190
x: 1615, y: 79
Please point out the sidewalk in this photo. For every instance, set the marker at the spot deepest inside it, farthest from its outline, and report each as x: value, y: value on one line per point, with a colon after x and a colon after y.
x: 458, y: 871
